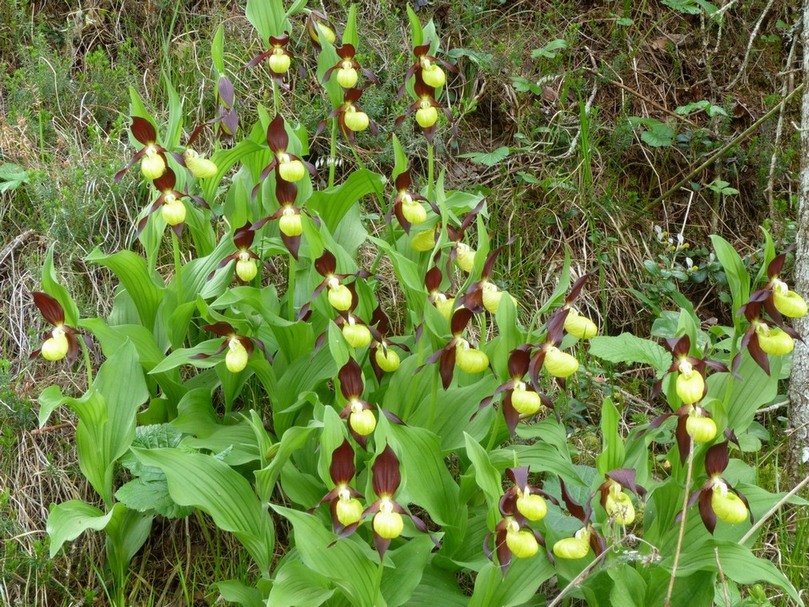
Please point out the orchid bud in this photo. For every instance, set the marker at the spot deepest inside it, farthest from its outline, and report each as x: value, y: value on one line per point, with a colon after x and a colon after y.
x: 525, y: 402
x: 153, y: 165
x: 56, y: 346
x: 200, y: 167
x: 727, y: 505
x: 236, y: 358
x: 560, y: 364
x: 532, y: 506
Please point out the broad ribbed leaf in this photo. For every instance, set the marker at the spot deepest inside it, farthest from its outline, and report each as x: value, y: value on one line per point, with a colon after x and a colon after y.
x: 737, y: 562
x: 343, y: 561
x: 735, y: 272
x: 746, y: 395
x: 236, y: 591
x: 134, y: 276
x: 486, y: 476
x: 296, y: 584
x: 52, y: 286
x: 334, y: 203
x: 69, y: 520
x: 612, y: 447
x: 521, y: 583
x: 268, y: 17
x: 429, y: 483
x: 409, y: 562
x: 214, y: 487
x: 626, y: 348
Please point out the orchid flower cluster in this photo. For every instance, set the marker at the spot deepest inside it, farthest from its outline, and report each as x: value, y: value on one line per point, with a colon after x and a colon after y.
x: 359, y: 392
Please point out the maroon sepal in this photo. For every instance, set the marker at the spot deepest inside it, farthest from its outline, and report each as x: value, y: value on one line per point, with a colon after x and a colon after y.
x: 143, y: 130
x: 386, y: 477
x: 350, y: 376
x: 50, y: 308
x: 706, y: 510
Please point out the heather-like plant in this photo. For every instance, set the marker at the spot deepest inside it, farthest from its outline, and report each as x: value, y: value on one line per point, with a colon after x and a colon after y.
x: 262, y: 379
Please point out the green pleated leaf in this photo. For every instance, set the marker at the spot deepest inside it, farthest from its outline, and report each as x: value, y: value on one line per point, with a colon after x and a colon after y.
x: 52, y: 286
x: 214, y: 487
x: 746, y: 396
x: 737, y: 562
x: 437, y: 587
x: 186, y: 356
x: 134, y: 276
x: 292, y: 440
x: 612, y: 447
x: 69, y: 520
x: 343, y: 561
x: 296, y: 584
x: 268, y: 17
x: 174, y: 129
x: 112, y: 338
x: 521, y: 582
x: 218, y: 49
x: 408, y: 562
x: 429, y: 483
x: 225, y: 159
x: 626, y: 348
x: 735, y: 272
x: 486, y: 476
x: 236, y: 591
x: 334, y: 203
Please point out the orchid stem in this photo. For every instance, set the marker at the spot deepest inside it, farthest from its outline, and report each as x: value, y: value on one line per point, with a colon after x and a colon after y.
x: 275, y: 96
x: 682, y: 523
x: 87, y: 364
x: 175, y: 245
x: 333, y: 152
x: 293, y: 267
x: 430, y: 170
x: 433, y: 401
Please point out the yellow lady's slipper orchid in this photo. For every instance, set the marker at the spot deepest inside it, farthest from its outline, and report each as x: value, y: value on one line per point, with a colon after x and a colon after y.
x: 246, y: 267
x: 560, y: 364
x: 522, y: 543
x: 690, y: 384
x: 580, y: 326
x: 387, y: 523
x: 200, y: 167
x: 525, y: 402
x: 575, y: 547
x: 465, y: 257
x: 56, y: 346
x: 290, y: 222
x: 173, y: 210
x: 468, y: 359
x: 773, y: 340
x: 361, y: 419
x: 532, y: 506
x: 237, y: 356
x: 726, y: 504
x: 619, y: 506
x: 700, y: 427
x: 788, y: 302
x: 388, y: 360
x: 348, y: 509
x: 153, y: 165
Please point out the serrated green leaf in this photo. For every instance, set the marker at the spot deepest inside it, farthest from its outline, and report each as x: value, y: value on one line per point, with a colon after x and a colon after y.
x: 489, y: 159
